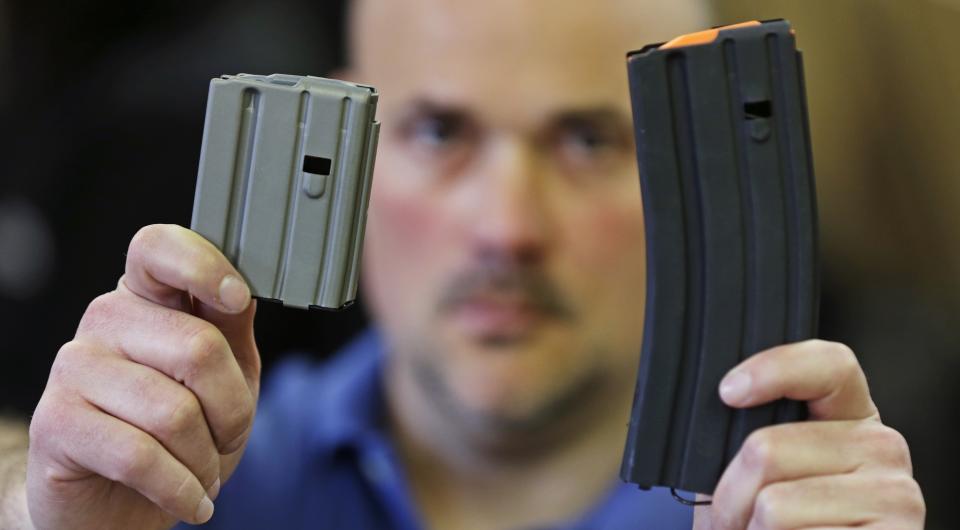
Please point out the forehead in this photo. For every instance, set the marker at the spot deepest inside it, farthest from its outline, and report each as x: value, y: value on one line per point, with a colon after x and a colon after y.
x: 517, y: 57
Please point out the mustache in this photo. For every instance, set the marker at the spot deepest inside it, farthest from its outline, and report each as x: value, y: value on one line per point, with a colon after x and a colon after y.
x: 529, y: 284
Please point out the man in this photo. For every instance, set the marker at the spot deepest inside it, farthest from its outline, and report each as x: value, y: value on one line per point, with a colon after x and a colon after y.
x: 504, y: 268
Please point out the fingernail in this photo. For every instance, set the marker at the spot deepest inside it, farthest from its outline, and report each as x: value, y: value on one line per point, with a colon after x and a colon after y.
x: 234, y: 294
x: 735, y: 387
x: 204, y: 510
x: 214, y: 490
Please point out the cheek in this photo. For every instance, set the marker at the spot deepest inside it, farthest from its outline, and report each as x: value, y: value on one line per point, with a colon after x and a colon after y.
x: 608, y: 264
x: 403, y: 246
x: 609, y: 237
x: 402, y: 219
x: 401, y: 223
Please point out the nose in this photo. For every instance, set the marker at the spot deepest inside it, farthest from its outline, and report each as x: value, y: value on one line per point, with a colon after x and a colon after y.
x: 512, y: 218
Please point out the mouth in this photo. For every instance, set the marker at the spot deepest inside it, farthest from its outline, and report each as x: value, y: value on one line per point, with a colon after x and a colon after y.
x: 501, y: 305
x: 497, y: 319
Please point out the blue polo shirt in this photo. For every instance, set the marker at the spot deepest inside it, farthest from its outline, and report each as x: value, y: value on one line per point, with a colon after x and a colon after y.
x: 319, y: 457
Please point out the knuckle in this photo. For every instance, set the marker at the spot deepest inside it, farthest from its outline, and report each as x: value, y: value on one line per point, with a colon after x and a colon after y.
x: 72, y: 349
x: 205, y: 347
x: 100, y: 310
x: 178, y: 417
x: 845, y: 365
x: 891, y: 446
x: 145, y: 239
x: 901, y: 485
x: 39, y: 429
x: 846, y: 359
x: 759, y: 451
x: 50, y: 417
x: 914, y: 505
x: 133, y: 459
x: 903, y: 494
x: 68, y: 357
x: 769, y: 507
x: 51, y: 476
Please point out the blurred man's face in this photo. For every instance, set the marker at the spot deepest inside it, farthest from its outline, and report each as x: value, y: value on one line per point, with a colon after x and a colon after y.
x: 505, y: 240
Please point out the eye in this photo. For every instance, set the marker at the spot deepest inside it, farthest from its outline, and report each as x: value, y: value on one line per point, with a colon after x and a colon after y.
x: 437, y: 130
x: 585, y: 135
x: 589, y: 145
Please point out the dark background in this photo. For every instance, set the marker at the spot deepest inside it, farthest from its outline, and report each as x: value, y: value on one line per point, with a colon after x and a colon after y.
x: 102, y: 105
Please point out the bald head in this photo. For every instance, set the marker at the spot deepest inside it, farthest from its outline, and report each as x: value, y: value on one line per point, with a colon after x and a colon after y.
x: 514, y: 51
x: 543, y: 29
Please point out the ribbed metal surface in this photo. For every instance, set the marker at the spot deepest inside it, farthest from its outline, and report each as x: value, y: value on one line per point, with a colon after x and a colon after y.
x: 729, y: 205
x: 296, y: 236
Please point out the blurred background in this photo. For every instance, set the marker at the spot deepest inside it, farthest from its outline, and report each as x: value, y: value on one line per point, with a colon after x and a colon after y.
x: 102, y: 106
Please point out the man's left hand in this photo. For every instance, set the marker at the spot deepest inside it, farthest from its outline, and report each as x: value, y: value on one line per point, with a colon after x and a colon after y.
x: 844, y: 468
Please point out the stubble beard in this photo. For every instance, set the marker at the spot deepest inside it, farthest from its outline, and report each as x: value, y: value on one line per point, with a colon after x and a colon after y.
x: 535, y: 422
x: 506, y: 431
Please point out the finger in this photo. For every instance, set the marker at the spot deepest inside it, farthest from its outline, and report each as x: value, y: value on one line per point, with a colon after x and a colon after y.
x: 185, y: 348
x: 236, y: 328
x: 164, y: 261
x: 122, y: 453
x: 239, y: 332
x: 701, y: 513
x: 800, y: 450
x: 148, y: 400
x: 826, y: 375
x: 854, y: 500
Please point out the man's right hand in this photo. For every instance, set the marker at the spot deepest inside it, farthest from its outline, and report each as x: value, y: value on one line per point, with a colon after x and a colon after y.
x: 149, y: 408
